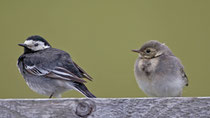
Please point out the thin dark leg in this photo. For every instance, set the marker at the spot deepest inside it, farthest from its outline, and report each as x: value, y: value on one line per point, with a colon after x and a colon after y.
x: 51, y: 95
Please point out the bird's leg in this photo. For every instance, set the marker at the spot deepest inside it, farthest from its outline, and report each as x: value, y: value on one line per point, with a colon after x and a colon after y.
x: 51, y: 95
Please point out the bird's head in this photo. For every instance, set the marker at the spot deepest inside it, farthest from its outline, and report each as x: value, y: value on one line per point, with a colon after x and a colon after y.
x: 35, y: 43
x: 153, y: 49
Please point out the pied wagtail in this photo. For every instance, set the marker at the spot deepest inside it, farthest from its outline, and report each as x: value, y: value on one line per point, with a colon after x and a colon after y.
x: 158, y: 72
x: 50, y: 71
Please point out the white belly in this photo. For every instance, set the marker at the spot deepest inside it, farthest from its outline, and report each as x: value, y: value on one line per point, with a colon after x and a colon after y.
x: 157, y: 85
x: 156, y: 88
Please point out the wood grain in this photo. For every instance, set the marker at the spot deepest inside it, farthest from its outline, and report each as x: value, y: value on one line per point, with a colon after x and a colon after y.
x: 106, y: 108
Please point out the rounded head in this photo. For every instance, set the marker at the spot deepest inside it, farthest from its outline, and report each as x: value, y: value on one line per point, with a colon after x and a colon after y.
x: 152, y: 49
x: 35, y: 43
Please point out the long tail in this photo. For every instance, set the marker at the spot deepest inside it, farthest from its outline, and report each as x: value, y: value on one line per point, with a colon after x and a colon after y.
x: 83, y: 89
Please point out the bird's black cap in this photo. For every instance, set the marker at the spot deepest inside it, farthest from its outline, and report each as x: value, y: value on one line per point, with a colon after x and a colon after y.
x: 38, y: 38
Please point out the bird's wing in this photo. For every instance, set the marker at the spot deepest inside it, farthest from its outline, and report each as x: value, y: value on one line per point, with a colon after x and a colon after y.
x: 184, y: 76
x: 56, y: 73
x: 83, y: 72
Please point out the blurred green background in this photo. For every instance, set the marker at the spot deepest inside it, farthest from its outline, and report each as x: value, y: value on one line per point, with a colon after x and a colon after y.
x: 99, y: 35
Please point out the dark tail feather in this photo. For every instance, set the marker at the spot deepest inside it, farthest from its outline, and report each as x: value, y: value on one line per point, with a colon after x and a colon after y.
x: 83, y: 89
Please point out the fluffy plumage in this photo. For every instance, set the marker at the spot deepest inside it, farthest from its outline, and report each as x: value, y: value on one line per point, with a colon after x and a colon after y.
x: 158, y: 72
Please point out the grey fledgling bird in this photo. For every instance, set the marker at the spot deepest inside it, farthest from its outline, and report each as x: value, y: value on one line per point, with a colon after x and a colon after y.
x: 158, y: 72
x: 50, y: 71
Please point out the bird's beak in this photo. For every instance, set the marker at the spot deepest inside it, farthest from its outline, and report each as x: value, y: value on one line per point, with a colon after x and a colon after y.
x: 22, y: 44
x: 136, y: 50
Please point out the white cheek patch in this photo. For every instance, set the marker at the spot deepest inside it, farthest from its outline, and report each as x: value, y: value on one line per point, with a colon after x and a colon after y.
x: 41, y: 46
x: 29, y: 42
x: 31, y: 45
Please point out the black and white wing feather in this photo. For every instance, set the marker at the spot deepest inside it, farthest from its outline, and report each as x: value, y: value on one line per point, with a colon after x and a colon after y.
x: 56, y: 73
x: 83, y: 72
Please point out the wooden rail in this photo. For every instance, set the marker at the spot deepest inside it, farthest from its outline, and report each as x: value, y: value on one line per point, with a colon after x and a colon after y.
x: 184, y: 107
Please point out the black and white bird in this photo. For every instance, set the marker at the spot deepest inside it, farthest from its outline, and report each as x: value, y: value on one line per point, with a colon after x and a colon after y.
x: 50, y: 71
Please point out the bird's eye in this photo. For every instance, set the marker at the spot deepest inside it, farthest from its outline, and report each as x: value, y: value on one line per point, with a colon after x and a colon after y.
x: 148, y: 51
x: 36, y: 44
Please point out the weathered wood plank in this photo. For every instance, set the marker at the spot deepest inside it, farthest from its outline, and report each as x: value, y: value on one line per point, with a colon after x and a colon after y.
x: 105, y: 108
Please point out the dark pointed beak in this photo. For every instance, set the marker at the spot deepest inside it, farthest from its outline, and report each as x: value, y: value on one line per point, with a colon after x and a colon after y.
x: 22, y: 44
x: 136, y: 50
